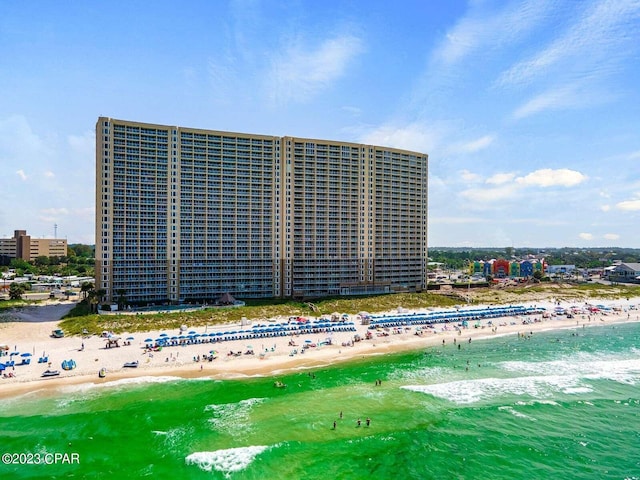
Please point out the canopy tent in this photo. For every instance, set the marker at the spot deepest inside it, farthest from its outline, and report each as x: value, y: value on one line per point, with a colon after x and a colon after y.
x: 226, y: 299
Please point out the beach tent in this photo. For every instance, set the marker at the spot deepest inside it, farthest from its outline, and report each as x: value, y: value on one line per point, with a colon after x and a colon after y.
x: 226, y: 299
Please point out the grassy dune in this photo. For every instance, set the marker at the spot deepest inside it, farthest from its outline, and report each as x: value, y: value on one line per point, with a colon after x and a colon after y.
x: 263, y: 310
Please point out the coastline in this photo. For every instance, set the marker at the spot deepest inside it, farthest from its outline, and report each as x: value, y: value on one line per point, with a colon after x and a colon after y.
x: 272, y: 357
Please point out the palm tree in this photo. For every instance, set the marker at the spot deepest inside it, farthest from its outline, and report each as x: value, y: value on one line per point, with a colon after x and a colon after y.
x: 16, y: 290
x: 85, y: 288
x: 122, y: 298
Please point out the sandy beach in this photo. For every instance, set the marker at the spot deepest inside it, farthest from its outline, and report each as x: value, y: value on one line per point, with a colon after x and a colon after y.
x: 27, y: 331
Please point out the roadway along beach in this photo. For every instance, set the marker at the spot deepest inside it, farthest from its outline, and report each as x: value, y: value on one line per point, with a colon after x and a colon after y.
x: 27, y: 331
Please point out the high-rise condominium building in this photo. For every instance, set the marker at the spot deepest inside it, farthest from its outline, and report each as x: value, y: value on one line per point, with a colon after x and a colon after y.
x: 184, y: 214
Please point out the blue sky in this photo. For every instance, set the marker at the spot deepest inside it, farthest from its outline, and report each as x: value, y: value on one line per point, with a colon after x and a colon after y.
x: 529, y: 110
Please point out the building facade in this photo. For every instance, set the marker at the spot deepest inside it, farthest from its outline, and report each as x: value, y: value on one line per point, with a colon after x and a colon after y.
x: 186, y: 214
x: 25, y: 247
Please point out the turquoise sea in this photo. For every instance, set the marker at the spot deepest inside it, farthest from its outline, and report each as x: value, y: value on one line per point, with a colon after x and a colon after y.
x: 559, y: 405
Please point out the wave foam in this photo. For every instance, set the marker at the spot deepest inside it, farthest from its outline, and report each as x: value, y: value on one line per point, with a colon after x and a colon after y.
x: 589, y: 366
x: 233, y: 418
x: 226, y: 461
x: 472, y: 391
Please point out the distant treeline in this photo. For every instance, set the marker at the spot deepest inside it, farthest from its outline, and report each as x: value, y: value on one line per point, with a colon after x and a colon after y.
x: 459, y: 258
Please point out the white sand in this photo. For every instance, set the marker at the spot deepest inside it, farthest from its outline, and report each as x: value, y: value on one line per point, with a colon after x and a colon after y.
x: 30, y: 332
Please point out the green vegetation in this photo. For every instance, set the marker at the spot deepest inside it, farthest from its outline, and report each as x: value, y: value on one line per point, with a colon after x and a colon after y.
x: 16, y: 290
x: 80, y: 318
x: 459, y: 258
x: 79, y: 261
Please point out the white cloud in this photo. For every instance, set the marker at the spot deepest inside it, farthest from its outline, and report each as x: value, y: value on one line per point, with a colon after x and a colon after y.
x: 49, y: 174
x: 470, y: 177
x: 484, y: 29
x: 414, y: 137
x: 489, y: 195
x: 500, y: 178
x: 355, y: 111
x: 555, y: 99
x: 605, y: 208
x: 472, y: 146
x: 83, y: 144
x: 547, y: 177
x: 629, y: 205
x: 586, y: 236
x: 590, y: 46
x: 21, y: 174
x: 300, y: 74
x: 55, y: 211
x: 633, y: 156
x: 611, y: 236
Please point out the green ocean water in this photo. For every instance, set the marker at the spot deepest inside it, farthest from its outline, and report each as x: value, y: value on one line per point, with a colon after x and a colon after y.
x: 562, y: 404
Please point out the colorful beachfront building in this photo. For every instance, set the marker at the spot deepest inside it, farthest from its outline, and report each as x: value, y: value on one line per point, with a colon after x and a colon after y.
x: 501, y: 268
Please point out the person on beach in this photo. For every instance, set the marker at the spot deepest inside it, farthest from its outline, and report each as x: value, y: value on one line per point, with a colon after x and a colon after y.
x: 359, y: 423
x: 334, y: 424
x: 368, y: 421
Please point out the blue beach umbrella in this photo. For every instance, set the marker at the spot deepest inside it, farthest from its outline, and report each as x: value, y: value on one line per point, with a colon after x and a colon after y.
x: 148, y: 340
x: 26, y: 354
x: 130, y: 338
x: 164, y: 335
x: 14, y: 353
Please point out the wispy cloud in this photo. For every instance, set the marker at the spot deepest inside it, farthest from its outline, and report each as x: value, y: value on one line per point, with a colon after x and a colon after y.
x: 55, y: 211
x: 500, y: 178
x: 590, y: 45
x: 629, y: 205
x: 586, y: 236
x: 506, y: 186
x: 470, y: 177
x: 300, y: 73
x: 22, y: 175
x: 611, y: 236
x: 547, y: 177
x: 472, y: 146
x: 415, y: 136
x: 482, y: 29
x: 489, y: 195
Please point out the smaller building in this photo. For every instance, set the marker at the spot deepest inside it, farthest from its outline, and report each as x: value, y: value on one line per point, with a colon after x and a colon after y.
x: 626, y: 272
x: 561, y: 269
x: 26, y: 248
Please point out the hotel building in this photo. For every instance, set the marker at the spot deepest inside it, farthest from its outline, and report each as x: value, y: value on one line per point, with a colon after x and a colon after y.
x: 184, y: 214
x: 25, y: 247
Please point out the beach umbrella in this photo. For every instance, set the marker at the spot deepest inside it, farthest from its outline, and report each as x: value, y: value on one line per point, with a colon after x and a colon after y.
x: 130, y: 338
x: 2, y: 366
x: 308, y: 341
x: 26, y: 354
x: 192, y: 332
x: 148, y: 340
x: 14, y: 353
x: 164, y: 335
